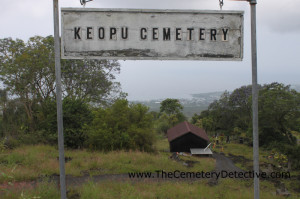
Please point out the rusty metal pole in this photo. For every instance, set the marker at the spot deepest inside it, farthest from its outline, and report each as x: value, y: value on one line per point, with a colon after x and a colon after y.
x: 59, y: 102
x: 254, y: 98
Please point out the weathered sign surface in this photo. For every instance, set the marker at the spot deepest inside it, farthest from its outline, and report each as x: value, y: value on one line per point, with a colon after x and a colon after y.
x: 129, y: 34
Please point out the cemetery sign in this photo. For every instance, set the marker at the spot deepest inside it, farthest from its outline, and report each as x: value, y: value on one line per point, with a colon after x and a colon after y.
x: 131, y: 34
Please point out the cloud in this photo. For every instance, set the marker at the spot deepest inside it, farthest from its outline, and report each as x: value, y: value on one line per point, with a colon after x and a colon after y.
x: 279, y: 16
x: 277, y: 56
x: 22, y: 18
x: 26, y: 18
x: 154, y: 4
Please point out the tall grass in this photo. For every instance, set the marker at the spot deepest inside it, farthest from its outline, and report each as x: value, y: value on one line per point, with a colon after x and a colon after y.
x: 43, y: 190
x: 226, y: 189
x: 241, y: 150
x: 117, y: 162
x: 31, y: 162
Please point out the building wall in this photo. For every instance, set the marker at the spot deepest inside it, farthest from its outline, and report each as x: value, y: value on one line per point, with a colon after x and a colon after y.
x: 186, y: 142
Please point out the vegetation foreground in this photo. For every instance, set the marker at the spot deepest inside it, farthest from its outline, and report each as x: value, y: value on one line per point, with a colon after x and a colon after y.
x: 20, y: 166
x: 31, y: 162
x: 227, y: 189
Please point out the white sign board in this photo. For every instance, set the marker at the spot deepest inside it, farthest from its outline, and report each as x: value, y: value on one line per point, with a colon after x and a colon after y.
x: 129, y: 34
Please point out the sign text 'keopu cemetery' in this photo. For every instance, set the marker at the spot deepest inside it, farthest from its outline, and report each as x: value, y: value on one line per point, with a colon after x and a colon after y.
x: 127, y: 34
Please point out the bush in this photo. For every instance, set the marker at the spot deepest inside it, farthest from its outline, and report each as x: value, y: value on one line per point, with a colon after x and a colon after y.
x: 76, y: 114
x: 9, y: 143
x: 121, y: 126
x: 1, y: 127
x: 2, y: 145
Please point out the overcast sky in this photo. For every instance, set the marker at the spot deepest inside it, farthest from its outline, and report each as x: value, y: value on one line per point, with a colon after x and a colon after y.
x: 278, y: 33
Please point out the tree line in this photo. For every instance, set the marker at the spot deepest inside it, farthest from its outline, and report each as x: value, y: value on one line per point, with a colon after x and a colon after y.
x: 28, y: 98
x: 279, y: 117
x: 96, y: 114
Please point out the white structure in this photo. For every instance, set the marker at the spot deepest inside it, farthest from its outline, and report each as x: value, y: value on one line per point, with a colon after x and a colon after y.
x: 205, y: 151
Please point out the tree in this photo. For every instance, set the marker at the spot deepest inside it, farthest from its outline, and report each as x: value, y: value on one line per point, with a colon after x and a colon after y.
x: 27, y: 71
x: 170, y: 113
x: 170, y: 106
x: 279, y: 108
x: 76, y: 116
x: 279, y: 116
x: 278, y: 112
x: 241, y: 104
x: 221, y: 116
x: 13, y: 116
x: 204, y: 120
x: 121, y: 126
x: 207, y: 124
x: 3, y: 106
x: 195, y: 118
x: 91, y: 80
x: 28, y: 74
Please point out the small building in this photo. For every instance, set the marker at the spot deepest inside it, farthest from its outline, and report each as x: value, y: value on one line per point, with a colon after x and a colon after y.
x: 184, y: 136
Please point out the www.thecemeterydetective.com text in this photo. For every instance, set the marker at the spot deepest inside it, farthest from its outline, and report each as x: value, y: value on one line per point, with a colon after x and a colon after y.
x: 206, y: 175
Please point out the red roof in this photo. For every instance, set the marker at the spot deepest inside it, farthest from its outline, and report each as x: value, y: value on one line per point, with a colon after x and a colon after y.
x: 184, y: 128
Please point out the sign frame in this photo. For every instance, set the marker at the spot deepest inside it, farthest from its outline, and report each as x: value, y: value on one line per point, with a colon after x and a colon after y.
x: 203, y: 56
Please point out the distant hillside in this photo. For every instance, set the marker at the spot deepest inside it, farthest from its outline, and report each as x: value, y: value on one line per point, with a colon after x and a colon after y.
x: 211, y: 95
x: 195, y: 104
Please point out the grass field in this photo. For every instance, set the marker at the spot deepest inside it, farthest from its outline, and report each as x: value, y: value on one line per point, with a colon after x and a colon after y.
x: 31, y: 162
x: 226, y: 189
x: 28, y: 163
x: 246, y: 154
x: 241, y: 150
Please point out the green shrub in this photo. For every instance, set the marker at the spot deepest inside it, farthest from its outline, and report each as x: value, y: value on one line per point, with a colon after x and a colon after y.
x: 76, y: 114
x: 2, y: 145
x: 121, y: 126
x: 9, y: 143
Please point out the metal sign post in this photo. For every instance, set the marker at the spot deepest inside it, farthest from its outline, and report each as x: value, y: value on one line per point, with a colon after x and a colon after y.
x: 131, y: 34
x: 59, y: 102
x: 254, y: 98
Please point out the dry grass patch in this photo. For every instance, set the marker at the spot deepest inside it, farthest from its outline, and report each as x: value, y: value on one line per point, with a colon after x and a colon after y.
x: 31, y: 162
x: 43, y: 190
x: 28, y: 162
x: 226, y: 189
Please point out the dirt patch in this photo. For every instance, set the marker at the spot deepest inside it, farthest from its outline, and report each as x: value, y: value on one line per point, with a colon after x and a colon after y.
x: 67, y: 159
x: 191, y: 163
x: 241, y: 160
x: 267, y: 168
x: 73, y: 194
x: 18, y: 185
x: 187, y: 163
x: 224, y: 163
